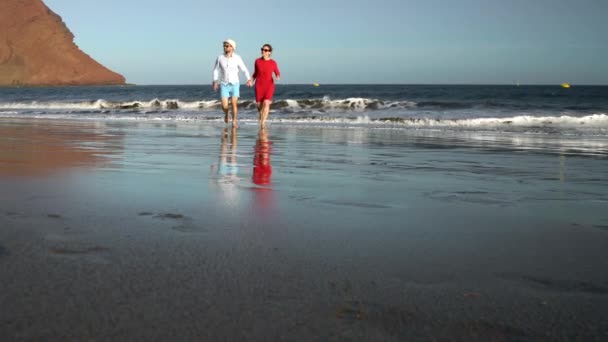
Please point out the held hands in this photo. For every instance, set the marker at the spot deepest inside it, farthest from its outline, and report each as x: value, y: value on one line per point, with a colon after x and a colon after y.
x: 216, y: 85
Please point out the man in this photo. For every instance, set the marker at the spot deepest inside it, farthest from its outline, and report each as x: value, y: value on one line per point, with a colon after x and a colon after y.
x: 226, y: 70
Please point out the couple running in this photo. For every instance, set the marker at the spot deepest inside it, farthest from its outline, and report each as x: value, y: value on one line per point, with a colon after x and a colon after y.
x: 226, y: 78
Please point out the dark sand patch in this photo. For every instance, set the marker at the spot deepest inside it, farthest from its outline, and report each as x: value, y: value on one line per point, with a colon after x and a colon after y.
x: 76, y: 251
x: 358, y: 204
x: 402, y: 322
x: 490, y: 331
x: 186, y: 225
x: 594, y: 226
x: 392, y: 320
x: 301, y: 198
x: 170, y: 216
x: 477, y: 197
x: 559, y: 285
x: 3, y: 251
x: 190, y: 228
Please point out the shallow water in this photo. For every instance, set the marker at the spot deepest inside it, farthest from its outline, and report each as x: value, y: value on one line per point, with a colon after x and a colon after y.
x: 581, y: 111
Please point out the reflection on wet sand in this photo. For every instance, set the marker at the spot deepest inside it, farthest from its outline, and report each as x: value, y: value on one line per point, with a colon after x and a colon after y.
x: 262, y: 170
x: 263, y: 200
x: 265, y: 233
x: 225, y: 172
x: 41, y: 148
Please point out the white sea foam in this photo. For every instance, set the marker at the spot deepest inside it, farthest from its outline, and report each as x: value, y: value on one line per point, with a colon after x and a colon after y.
x: 51, y: 105
x: 353, y: 104
x: 592, y: 125
x: 155, y: 110
x: 292, y: 104
x: 105, y: 104
x: 595, y: 120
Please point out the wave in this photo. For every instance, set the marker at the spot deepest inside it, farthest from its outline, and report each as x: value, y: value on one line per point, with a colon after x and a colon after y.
x: 324, y: 104
x: 595, y: 120
x: 348, y: 104
x: 595, y: 124
x: 105, y: 104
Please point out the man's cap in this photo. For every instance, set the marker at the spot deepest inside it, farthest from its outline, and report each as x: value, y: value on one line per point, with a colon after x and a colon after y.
x: 231, y: 42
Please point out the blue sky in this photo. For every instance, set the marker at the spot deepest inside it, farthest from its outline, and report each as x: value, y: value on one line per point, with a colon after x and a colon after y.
x: 390, y: 41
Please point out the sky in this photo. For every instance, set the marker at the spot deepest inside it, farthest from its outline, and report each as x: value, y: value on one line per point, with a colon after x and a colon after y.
x: 351, y: 42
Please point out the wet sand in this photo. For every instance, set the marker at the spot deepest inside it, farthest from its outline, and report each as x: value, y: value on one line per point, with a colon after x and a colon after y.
x: 165, y: 231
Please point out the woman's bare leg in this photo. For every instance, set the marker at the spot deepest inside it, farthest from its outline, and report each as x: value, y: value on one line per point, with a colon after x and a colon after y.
x: 265, y: 112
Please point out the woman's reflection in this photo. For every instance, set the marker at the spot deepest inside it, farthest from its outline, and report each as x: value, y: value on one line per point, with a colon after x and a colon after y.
x: 262, y: 170
x: 263, y: 202
x: 264, y: 233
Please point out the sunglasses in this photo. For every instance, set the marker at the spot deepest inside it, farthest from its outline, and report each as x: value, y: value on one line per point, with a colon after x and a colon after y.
x: 266, y: 50
x: 227, y: 45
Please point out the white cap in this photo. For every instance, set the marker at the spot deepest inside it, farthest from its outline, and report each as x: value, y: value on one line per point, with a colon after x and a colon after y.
x: 231, y: 42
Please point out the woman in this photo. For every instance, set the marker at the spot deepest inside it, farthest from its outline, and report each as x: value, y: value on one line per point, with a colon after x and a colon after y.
x: 264, y: 83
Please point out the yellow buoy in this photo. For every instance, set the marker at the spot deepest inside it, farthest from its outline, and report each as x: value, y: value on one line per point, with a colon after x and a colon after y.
x: 315, y: 84
x: 566, y: 85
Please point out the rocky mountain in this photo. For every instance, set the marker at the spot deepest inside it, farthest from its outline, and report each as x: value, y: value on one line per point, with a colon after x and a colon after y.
x: 37, y: 48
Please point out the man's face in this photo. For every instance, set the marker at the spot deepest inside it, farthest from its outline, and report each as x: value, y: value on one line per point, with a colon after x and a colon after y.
x: 227, y: 48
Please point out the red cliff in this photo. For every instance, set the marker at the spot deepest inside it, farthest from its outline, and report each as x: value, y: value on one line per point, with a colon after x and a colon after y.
x: 37, y: 48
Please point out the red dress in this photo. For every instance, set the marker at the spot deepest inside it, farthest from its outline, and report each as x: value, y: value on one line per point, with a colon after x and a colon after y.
x: 264, y: 83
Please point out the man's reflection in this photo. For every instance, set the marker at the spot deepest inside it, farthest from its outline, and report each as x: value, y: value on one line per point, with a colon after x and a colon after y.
x: 226, y: 171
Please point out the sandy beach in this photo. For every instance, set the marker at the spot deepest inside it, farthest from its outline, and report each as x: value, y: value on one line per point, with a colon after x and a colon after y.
x: 156, y: 231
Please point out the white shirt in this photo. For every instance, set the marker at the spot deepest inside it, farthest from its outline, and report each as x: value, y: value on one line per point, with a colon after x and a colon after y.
x: 227, y: 69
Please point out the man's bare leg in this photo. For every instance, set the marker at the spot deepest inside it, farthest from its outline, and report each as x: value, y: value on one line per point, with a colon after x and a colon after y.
x: 225, y: 108
x: 235, y: 111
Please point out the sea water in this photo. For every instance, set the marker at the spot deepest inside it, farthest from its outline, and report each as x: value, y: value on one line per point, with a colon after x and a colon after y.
x: 581, y: 110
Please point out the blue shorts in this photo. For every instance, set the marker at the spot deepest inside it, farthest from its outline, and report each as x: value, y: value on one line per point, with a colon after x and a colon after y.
x: 229, y: 90
x: 227, y: 169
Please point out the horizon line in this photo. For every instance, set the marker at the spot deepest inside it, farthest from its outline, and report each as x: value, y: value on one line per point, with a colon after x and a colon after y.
x: 407, y: 84
x: 316, y: 85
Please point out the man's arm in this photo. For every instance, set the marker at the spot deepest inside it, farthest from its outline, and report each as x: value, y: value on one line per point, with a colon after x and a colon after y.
x: 244, y: 69
x: 216, y: 73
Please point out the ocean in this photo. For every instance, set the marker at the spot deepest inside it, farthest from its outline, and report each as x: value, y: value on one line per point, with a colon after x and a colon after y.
x: 580, y: 110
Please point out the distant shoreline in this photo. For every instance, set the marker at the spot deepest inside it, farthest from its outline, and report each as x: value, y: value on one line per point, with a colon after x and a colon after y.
x: 310, y: 84
x: 66, y: 85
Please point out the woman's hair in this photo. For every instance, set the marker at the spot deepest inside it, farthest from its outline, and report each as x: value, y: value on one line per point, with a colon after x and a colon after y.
x: 268, y: 46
